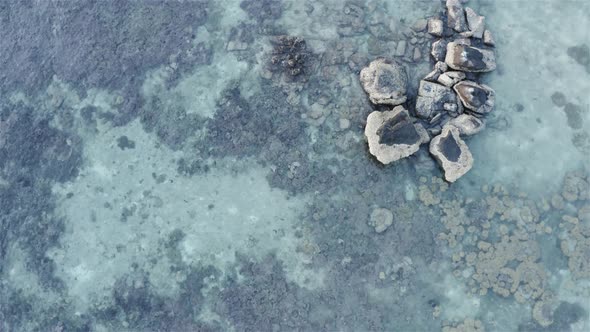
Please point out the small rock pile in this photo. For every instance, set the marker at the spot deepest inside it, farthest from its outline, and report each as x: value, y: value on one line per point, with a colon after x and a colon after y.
x: 450, y: 104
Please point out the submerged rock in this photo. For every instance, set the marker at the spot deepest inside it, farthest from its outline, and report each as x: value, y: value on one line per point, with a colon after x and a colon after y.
x: 488, y: 38
x: 469, y: 59
x: 467, y: 124
x: 381, y: 219
x: 476, y: 97
x: 385, y: 81
x: 392, y: 135
x: 475, y: 22
x: 432, y: 98
x: 452, y: 153
x: 573, y: 113
x: 580, y: 53
x: 558, y: 99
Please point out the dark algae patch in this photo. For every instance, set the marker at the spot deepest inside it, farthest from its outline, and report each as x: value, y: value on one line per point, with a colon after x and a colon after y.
x: 450, y: 148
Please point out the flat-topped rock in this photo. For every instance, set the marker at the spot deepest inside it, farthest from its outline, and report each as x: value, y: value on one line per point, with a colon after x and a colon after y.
x: 432, y: 98
x: 469, y: 59
x: 451, y: 153
x: 385, y: 81
x: 476, y: 97
x: 392, y: 135
x: 467, y: 124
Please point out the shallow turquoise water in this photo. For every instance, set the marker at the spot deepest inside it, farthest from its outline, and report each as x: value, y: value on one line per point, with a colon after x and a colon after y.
x: 161, y: 170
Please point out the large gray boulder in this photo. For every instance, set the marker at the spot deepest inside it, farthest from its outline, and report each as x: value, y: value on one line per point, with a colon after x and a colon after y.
x: 476, y: 97
x: 451, y: 153
x: 469, y: 59
x: 385, y: 81
x: 432, y: 98
x: 392, y: 135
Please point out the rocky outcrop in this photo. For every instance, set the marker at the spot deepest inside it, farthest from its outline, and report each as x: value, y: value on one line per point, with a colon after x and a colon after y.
x: 476, y: 97
x: 470, y: 59
x: 385, y: 81
x: 451, y: 153
x: 450, y: 102
x: 392, y: 135
x: 432, y: 98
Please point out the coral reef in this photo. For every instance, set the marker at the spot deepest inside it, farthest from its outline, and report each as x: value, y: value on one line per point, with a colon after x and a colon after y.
x: 495, y: 241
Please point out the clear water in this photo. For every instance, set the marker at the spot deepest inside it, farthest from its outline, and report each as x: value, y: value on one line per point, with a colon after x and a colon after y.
x: 157, y: 173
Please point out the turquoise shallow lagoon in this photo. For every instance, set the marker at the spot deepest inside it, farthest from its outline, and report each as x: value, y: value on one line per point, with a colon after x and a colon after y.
x: 172, y: 165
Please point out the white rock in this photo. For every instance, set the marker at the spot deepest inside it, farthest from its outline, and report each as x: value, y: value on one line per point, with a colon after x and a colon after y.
x: 451, y: 153
x: 392, y: 135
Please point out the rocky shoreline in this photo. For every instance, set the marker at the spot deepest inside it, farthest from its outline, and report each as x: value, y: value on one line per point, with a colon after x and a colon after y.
x: 451, y: 102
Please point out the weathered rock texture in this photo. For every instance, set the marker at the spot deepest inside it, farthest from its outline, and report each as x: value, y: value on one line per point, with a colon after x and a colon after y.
x: 452, y: 153
x: 392, y: 135
x: 470, y: 59
x: 476, y: 97
x: 385, y: 81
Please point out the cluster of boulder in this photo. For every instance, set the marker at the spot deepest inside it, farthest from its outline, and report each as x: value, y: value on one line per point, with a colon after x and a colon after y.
x: 450, y: 102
